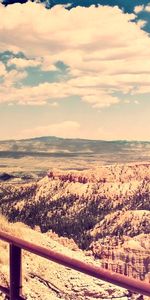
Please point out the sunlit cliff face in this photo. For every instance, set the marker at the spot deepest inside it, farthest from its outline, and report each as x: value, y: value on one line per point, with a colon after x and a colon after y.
x: 104, y: 210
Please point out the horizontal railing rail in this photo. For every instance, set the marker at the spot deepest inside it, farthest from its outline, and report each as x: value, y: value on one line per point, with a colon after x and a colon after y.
x: 16, y: 245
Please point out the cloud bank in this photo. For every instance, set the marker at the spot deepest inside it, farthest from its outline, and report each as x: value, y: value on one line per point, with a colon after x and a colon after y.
x: 105, y: 52
x: 127, y: 5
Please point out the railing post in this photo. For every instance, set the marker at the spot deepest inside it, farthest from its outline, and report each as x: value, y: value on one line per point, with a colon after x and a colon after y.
x: 15, y: 272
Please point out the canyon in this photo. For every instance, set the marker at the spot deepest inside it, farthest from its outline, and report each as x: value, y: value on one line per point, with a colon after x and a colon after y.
x: 103, y: 211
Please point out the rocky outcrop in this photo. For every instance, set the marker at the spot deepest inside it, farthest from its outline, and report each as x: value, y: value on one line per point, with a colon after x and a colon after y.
x: 106, y: 203
x: 127, y: 259
x: 46, y: 280
x: 5, y: 176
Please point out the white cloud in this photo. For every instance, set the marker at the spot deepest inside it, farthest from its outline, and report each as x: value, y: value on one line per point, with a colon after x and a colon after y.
x: 126, y: 101
x: 136, y: 101
x: 141, y: 23
x: 103, y: 57
x: 101, y: 100
x: 44, y: 92
x: 54, y: 104
x: 147, y: 8
x: 138, y: 8
x: 141, y: 8
x: 64, y: 129
x: 2, y: 69
x: 48, y: 64
x: 10, y: 78
x: 21, y: 63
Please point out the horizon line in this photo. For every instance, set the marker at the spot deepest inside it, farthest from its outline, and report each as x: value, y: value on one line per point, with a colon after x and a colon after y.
x: 74, y: 138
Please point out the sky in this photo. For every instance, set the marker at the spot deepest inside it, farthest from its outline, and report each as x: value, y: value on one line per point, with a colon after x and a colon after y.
x: 75, y: 70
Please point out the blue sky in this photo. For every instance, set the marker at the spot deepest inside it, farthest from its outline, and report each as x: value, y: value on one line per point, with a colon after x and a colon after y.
x: 80, y: 72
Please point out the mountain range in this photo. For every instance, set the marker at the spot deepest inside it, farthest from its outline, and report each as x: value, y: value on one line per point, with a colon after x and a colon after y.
x: 52, y: 146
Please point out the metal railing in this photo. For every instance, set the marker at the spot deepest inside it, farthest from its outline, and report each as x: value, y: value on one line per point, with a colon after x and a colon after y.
x: 14, y: 292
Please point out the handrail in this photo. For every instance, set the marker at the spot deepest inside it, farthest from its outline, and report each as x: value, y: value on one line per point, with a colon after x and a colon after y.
x: 16, y: 244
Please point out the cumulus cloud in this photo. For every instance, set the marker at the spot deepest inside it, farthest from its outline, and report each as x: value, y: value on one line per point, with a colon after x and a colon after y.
x: 126, y: 6
x: 64, y: 129
x: 21, y: 63
x: 141, y: 8
x: 10, y: 79
x: 43, y: 93
x: 147, y: 8
x: 138, y: 8
x: 2, y: 69
x: 105, y: 52
x: 54, y: 104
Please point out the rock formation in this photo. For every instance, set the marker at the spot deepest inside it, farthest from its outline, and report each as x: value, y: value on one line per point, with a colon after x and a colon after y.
x: 103, y: 211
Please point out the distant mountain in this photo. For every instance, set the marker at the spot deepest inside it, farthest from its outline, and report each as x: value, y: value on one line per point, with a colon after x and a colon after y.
x: 88, y: 150
x: 51, y: 144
